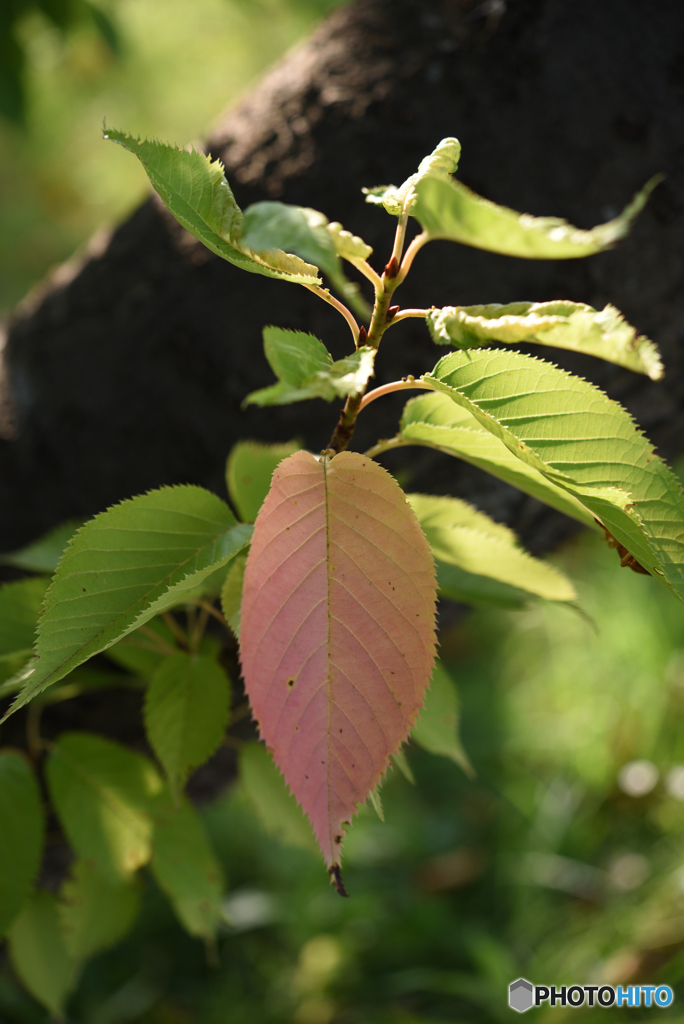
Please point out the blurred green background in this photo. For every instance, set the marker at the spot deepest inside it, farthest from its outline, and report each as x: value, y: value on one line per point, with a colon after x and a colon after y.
x: 563, y: 860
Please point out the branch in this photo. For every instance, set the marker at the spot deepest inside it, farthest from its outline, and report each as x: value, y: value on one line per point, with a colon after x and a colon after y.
x: 324, y: 294
x: 397, y: 385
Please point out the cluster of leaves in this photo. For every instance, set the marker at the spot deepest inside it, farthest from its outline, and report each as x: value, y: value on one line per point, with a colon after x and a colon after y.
x: 332, y: 592
x: 118, y: 812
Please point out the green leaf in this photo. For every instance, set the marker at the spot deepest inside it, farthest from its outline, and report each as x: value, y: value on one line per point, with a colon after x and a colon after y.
x: 95, y: 913
x: 437, y: 422
x: 576, y: 437
x: 195, y: 190
x: 102, y: 794
x: 437, y: 728
x: 274, y: 804
x: 21, y: 834
x: 448, y: 209
x: 186, y: 868
x: 39, y: 954
x: 20, y: 604
x: 469, y: 540
x: 231, y: 595
x: 305, y: 232
x: 305, y: 369
x: 186, y: 712
x: 273, y: 225
x: 441, y: 163
x: 376, y: 801
x: 125, y: 566
x: 43, y: 555
x: 456, y: 584
x: 571, y: 325
x: 249, y: 470
x: 400, y: 761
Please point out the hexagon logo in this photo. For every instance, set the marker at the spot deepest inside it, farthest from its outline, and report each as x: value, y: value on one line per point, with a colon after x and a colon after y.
x: 521, y: 995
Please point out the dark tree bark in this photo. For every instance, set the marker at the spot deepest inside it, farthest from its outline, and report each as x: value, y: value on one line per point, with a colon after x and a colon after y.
x: 127, y: 370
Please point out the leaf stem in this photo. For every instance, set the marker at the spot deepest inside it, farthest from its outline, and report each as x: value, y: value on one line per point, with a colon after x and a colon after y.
x: 404, y: 314
x: 197, y: 632
x: 34, y: 740
x: 400, y: 236
x: 381, y: 319
x: 410, y: 254
x: 386, y: 445
x: 397, y: 385
x: 176, y: 630
x: 211, y: 610
x: 324, y: 294
x: 161, y: 646
x: 365, y: 268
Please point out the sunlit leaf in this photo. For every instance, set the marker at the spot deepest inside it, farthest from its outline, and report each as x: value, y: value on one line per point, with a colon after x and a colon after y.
x: 122, y: 568
x: 195, y: 190
x: 337, y: 635
x: 570, y: 325
x: 441, y: 163
x: 437, y: 728
x: 39, y: 954
x: 249, y: 470
x: 94, y: 912
x: 102, y: 794
x: 186, y: 868
x: 21, y: 834
x: 446, y: 208
x: 186, y: 711
x: 305, y: 232
x: 274, y: 804
x: 435, y: 421
x: 461, y: 536
x: 297, y: 229
x: 347, y: 245
x: 305, y: 369
x: 575, y: 436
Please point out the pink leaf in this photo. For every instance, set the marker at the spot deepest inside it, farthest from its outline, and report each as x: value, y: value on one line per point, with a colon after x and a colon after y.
x: 337, y: 636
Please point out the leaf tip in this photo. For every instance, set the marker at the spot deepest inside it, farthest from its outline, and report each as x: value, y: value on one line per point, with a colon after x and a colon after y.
x: 336, y: 879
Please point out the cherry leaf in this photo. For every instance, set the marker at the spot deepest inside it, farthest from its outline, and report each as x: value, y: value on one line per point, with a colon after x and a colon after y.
x: 337, y: 631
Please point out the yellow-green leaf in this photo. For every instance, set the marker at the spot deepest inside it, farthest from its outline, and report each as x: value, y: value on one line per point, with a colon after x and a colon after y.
x: 95, y: 912
x: 39, y: 953
x: 196, y: 191
x: 570, y: 325
x: 460, y: 536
